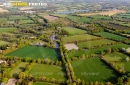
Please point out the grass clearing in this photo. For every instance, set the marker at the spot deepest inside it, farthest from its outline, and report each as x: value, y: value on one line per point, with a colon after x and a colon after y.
x: 49, y: 71
x: 97, y: 50
x: 84, y: 19
x: 9, y: 29
x: 25, y: 21
x: 94, y: 43
x: 19, y: 68
x: 36, y: 52
x: 93, y: 69
x: 72, y: 30
x: 59, y: 15
x: 116, y: 56
x: 41, y: 83
x: 110, y: 35
x: 3, y: 43
x: 78, y: 38
x: 18, y: 17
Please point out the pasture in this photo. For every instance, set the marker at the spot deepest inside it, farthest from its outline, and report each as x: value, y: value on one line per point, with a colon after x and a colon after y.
x: 25, y: 21
x: 48, y: 71
x: 59, y: 15
x: 84, y: 19
x: 36, y: 52
x: 110, y: 13
x: 72, y: 30
x: 97, y: 50
x: 100, y: 17
x: 116, y: 56
x: 74, y: 18
x: 3, y: 43
x: 123, y: 65
x: 110, y: 35
x: 19, y: 68
x: 93, y: 69
x: 22, y: 17
x: 41, y: 83
x: 78, y: 38
x: 123, y: 15
x: 9, y: 29
x: 94, y: 43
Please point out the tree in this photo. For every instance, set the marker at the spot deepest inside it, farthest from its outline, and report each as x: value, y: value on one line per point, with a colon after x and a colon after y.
x: 21, y: 75
x: 109, y: 50
x: 39, y: 61
x: 12, y: 65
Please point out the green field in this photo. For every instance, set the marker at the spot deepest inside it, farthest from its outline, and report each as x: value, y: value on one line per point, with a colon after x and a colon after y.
x: 3, y: 43
x: 94, y: 43
x: 40, y: 83
x: 1, y: 19
x: 78, y: 38
x: 36, y: 52
x: 59, y: 15
x: 49, y: 71
x: 72, y: 30
x: 100, y: 17
x: 18, y: 17
x: 25, y: 21
x: 83, y: 20
x: 92, y: 69
x: 2, y: 30
x: 110, y: 35
x: 19, y: 68
x: 74, y: 18
x: 97, y: 50
x: 123, y: 65
x: 116, y: 56
x: 123, y: 15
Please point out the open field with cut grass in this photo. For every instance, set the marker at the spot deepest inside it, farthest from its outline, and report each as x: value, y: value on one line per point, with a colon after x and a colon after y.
x: 19, y: 68
x: 25, y: 21
x: 83, y: 20
x: 110, y: 35
x: 40, y: 83
x: 2, y: 19
x: 123, y: 15
x: 3, y: 43
x: 49, y: 71
x: 110, y: 13
x: 36, y: 52
x: 59, y: 15
x: 22, y: 17
x: 78, y: 38
x: 116, y: 26
x: 72, y: 30
x: 94, y: 43
x: 100, y: 17
x: 71, y: 17
x: 2, y: 30
x: 116, y: 56
x: 123, y: 65
x: 50, y: 18
x: 97, y: 50
x: 93, y: 69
